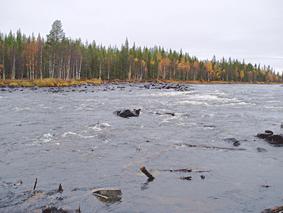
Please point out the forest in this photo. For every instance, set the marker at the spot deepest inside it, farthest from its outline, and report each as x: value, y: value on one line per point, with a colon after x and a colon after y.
x: 59, y: 57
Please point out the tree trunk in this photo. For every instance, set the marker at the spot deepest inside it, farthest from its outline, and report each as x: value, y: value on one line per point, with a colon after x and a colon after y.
x: 13, y: 67
x: 40, y: 63
x: 68, y: 68
x: 164, y: 73
x: 100, y: 71
x: 3, y: 76
x: 108, y: 70
x: 130, y: 72
x: 80, y: 68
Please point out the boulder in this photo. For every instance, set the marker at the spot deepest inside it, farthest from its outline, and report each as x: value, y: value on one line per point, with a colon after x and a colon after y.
x: 275, y: 140
x: 259, y: 149
x: 268, y: 136
x: 128, y: 113
x: 264, y: 135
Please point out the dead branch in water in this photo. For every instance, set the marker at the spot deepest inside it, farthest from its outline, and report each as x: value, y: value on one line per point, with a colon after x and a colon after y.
x: 35, y: 183
x: 144, y: 170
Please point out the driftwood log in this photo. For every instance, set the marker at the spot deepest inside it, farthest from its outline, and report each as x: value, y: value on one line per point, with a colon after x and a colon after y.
x: 144, y: 170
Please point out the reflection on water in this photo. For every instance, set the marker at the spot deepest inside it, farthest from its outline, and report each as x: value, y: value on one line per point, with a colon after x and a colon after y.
x: 73, y: 138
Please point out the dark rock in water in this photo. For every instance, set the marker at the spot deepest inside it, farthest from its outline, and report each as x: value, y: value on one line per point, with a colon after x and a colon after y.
x: 18, y: 183
x: 128, y: 113
x: 186, y: 178
x: 269, y: 132
x: 55, y: 90
x: 170, y: 113
x: 278, y: 209
x: 177, y: 87
x: 264, y: 135
x: 54, y: 210
x: 259, y: 149
x: 233, y: 140
x: 276, y: 140
x: 237, y: 143
x: 165, y: 113
x: 265, y: 186
x: 60, y: 188
x: 202, y: 177
x: 33, y: 88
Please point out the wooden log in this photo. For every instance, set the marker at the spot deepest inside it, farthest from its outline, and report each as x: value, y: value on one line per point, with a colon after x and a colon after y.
x: 144, y: 170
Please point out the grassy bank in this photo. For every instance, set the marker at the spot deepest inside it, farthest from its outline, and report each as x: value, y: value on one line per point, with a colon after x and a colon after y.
x: 47, y: 83
x: 66, y: 83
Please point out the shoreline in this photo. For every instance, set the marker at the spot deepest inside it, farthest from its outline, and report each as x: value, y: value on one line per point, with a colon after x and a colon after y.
x: 69, y: 83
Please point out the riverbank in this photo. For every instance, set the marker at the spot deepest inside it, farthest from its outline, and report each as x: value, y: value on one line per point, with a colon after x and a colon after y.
x: 48, y: 83
x: 67, y: 83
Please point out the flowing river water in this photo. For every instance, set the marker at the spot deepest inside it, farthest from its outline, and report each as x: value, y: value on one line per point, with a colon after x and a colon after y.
x: 72, y: 137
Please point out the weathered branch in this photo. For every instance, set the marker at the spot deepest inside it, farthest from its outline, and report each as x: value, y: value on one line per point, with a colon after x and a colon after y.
x: 144, y: 170
x: 35, y: 183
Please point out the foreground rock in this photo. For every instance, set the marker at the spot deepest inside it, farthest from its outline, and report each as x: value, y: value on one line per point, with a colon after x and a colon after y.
x: 128, y: 113
x: 53, y: 209
x: 108, y: 194
x: 278, y: 209
x: 276, y: 140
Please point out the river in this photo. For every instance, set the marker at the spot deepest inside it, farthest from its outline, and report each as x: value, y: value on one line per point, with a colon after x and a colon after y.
x: 72, y: 137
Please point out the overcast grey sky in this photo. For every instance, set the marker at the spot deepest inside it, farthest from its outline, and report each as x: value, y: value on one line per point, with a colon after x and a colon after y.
x: 249, y: 29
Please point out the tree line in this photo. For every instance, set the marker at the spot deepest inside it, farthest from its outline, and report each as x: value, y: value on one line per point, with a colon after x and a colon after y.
x: 57, y: 56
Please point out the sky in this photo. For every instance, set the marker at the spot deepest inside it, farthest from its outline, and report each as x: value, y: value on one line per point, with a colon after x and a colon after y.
x: 242, y: 29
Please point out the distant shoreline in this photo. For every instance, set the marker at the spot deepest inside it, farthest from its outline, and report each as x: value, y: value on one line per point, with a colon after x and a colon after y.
x: 70, y: 83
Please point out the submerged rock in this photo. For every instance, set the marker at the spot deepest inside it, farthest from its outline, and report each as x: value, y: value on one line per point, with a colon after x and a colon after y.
x: 234, y: 141
x: 259, y: 149
x: 268, y: 136
x: 53, y: 209
x: 278, y: 209
x: 128, y: 113
x: 265, y: 134
x: 186, y: 178
x: 108, y: 194
x: 174, y: 86
x: 275, y: 140
x: 165, y: 113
